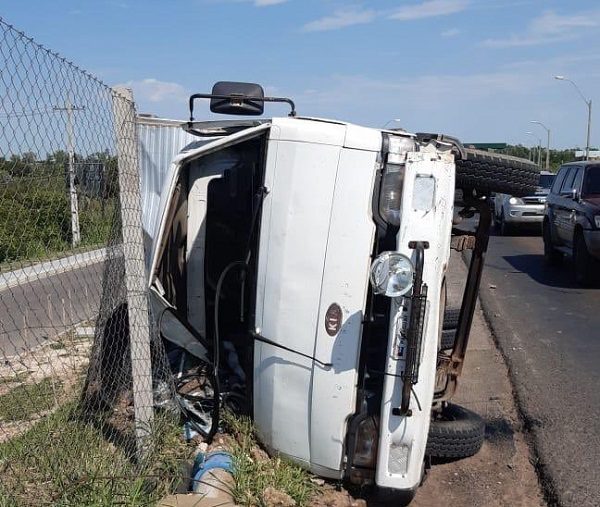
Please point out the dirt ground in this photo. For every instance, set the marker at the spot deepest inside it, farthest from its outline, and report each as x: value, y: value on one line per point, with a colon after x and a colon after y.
x: 501, y: 474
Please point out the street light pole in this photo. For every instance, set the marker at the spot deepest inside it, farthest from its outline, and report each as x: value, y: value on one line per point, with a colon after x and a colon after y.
x: 548, y: 145
x: 588, y: 103
x: 391, y: 121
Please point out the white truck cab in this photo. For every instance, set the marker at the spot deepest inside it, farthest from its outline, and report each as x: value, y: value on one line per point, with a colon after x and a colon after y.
x: 304, y: 261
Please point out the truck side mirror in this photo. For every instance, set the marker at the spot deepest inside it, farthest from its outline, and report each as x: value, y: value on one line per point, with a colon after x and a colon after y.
x: 575, y: 194
x: 237, y: 98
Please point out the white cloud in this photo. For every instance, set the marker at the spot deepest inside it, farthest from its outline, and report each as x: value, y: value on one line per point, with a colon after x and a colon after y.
x: 154, y: 91
x: 340, y: 19
x: 549, y: 27
x: 451, y: 32
x: 429, y: 9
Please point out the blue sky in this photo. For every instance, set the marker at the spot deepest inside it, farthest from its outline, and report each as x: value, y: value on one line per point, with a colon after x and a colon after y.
x: 477, y: 69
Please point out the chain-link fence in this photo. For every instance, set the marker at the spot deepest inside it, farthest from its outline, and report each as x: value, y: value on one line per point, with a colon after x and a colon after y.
x: 82, y: 370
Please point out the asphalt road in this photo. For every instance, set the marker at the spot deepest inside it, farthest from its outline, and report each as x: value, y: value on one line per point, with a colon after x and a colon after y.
x: 34, y: 311
x: 548, y: 328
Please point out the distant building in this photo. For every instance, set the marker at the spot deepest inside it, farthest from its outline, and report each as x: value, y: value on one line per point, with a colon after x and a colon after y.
x: 594, y: 154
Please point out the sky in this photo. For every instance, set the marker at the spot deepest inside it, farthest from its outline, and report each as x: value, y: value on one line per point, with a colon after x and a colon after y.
x: 480, y: 70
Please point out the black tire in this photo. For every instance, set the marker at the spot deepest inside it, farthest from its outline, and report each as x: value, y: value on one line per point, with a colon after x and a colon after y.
x: 583, y: 261
x: 447, y: 340
x: 551, y: 255
x: 451, y: 318
x: 490, y: 172
x: 456, y: 433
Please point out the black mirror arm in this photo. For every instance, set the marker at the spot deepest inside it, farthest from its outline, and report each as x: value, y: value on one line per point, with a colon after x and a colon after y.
x: 234, y: 96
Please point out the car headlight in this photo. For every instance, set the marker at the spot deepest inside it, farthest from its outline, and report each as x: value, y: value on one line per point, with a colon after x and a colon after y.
x: 515, y: 200
x: 392, y: 274
x: 390, y: 196
x: 597, y: 220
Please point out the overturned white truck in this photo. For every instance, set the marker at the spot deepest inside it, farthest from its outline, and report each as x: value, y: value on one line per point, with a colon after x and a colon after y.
x: 300, y: 263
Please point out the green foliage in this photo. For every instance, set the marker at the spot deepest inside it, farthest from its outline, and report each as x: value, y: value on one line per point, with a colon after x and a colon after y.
x: 253, y: 473
x: 557, y: 157
x: 25, y: 400
x: 65, y: 461
x: 34, y: 219
x: 35, y: 213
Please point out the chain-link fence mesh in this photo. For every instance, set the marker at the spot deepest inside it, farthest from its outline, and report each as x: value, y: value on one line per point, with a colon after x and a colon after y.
x: 82, y: 370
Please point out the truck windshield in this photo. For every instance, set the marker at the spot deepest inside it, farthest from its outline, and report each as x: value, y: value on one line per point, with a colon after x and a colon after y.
x: 546, y: 180
x: 591, y: 185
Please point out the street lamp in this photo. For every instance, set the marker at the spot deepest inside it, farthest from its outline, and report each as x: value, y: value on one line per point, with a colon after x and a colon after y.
x: 588, y: 103
x: 391, y: 121
x: 539, y: 139
x: 548, y: 145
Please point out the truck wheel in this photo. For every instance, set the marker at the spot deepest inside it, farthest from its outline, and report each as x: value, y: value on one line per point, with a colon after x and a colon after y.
x: 583, y: 261
x: 551, y: 255
x: 489, y: 172
x: 451, y: 318
x: 455, y: 433
x: 447, y: 340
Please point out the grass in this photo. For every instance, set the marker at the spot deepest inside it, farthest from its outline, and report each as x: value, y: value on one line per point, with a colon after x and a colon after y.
x: 253, y: 475
x: 66, y: 461
x: 26, y: 400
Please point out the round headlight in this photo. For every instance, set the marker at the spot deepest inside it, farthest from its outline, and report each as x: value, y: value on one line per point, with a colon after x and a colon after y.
x: 392, y: 274
x: 513, y: 200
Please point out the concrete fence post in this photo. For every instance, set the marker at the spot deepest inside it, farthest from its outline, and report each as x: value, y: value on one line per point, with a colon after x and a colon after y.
x: 135, y: 274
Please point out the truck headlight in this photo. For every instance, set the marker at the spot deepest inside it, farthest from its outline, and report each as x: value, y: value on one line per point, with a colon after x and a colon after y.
x: 515, y: 200
x: 597, y: 220
x: 392, y: 274
x: 390, y: 195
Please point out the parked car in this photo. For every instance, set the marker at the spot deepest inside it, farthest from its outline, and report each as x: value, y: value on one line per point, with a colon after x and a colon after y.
x: 572, y: 219
x: 511, y: 212
x: 304, y: 260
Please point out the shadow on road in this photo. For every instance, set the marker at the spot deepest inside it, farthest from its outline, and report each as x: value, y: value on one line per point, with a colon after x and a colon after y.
x: 560, y: 276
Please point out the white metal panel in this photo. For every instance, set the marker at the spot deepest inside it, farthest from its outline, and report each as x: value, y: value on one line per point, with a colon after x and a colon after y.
x: 345, y: 282
x: 159, y: 142
x: 363, y: 138
x: 403, y: 439
x: 293, y: 246
x: 310, y: 131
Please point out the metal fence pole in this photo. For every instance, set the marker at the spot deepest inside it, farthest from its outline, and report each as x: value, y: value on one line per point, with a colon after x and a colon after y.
x: 135, y: 274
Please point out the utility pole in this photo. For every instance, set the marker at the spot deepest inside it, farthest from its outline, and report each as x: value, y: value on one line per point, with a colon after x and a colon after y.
x: 539, y: 149
x: 75, y: 231
x: 548, y: 145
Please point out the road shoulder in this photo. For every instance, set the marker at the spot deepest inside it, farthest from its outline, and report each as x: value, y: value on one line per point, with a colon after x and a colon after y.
x: 501, y: 473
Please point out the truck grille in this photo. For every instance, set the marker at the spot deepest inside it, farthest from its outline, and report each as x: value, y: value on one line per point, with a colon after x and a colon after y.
x: 534, y: 200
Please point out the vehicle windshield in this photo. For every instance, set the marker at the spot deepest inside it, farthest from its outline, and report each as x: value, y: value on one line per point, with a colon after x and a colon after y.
x: 591, y: 185
x: 546, y: 180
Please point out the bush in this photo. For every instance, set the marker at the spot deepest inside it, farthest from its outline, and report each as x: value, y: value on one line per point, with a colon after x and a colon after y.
x: 35, y: 220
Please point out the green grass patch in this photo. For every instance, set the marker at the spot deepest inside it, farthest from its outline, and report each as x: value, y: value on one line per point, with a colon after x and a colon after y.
x: 14, y: 379
x: 253, y: 475
x: 66, y: 461
x: 25, y: 400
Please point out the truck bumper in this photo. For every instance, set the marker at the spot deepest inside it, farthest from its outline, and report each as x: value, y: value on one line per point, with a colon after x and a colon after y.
x: 524, y: 214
